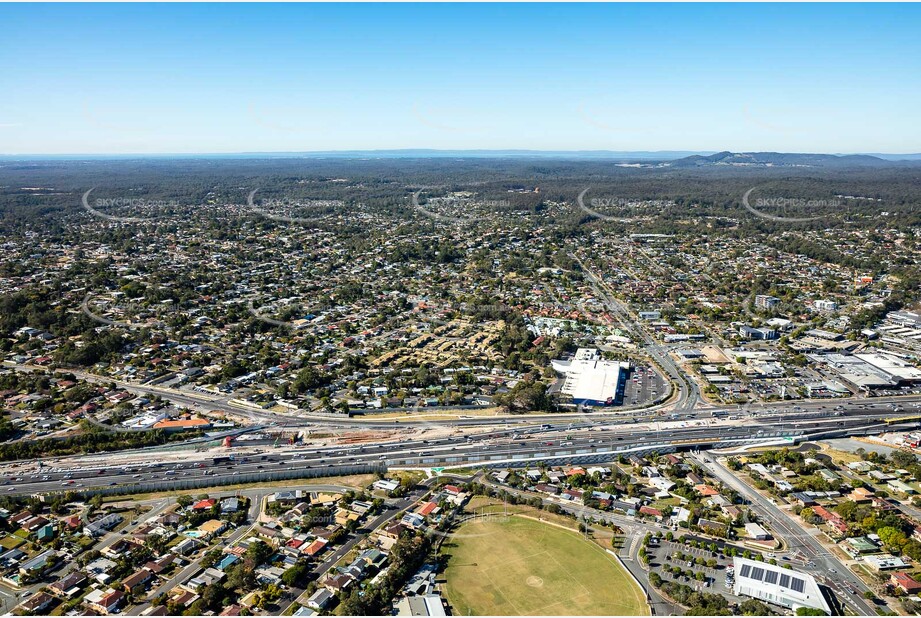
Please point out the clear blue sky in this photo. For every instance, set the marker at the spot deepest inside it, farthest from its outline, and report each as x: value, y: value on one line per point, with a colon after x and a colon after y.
x: 254, y: 78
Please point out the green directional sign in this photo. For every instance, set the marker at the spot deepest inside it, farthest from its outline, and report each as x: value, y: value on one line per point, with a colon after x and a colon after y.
x: 437, y: 470
x: 788, y: 438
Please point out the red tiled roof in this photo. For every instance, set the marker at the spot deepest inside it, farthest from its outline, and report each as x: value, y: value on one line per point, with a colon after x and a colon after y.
x: 706, y: 490
x: 906, y: 582
x: 112, y: 599
x: 314, y: 548
x: 427, y: 508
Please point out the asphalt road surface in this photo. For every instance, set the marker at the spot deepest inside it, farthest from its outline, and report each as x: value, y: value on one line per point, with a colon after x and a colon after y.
x: 587, y: 441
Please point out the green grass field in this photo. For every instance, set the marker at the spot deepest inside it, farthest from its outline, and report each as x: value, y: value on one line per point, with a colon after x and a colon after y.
x: 515, y: 567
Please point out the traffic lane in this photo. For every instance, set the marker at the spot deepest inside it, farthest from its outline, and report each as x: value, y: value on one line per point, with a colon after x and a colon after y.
x: 413, y: 452
x: 293, y: 460
x: 173, y: 468
x: 663, y: 357
x: 246, y: 465
x: 123, y: 481
x: 318, y: 571
x: 337, y: 555
x: 792, y: 417
x: 399, y: 457
x: 303, y: 460
x: 450, y: 443
x: 622, y: 521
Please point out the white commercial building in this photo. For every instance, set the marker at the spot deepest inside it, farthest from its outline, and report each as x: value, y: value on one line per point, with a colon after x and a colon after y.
x: 894, y: 366
x: 777, y: 585
x: 590, y: 379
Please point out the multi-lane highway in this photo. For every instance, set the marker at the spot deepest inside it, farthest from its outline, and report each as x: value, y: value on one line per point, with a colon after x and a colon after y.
x: 586, y: 440
x: 476, y: 440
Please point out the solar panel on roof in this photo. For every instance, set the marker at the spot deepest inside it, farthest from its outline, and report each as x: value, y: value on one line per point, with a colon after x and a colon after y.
x: 746, y: 569
x: 757, y: 573
x: 784, y: 580
x: 797, y: 584
x: 771, y: 577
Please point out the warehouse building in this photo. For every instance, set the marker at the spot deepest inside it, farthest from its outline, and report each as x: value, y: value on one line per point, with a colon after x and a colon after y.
x: 591, y: 380
x: 871, y: 370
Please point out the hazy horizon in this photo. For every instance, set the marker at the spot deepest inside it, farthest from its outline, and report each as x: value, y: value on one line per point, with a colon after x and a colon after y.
x: 638, y: 155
